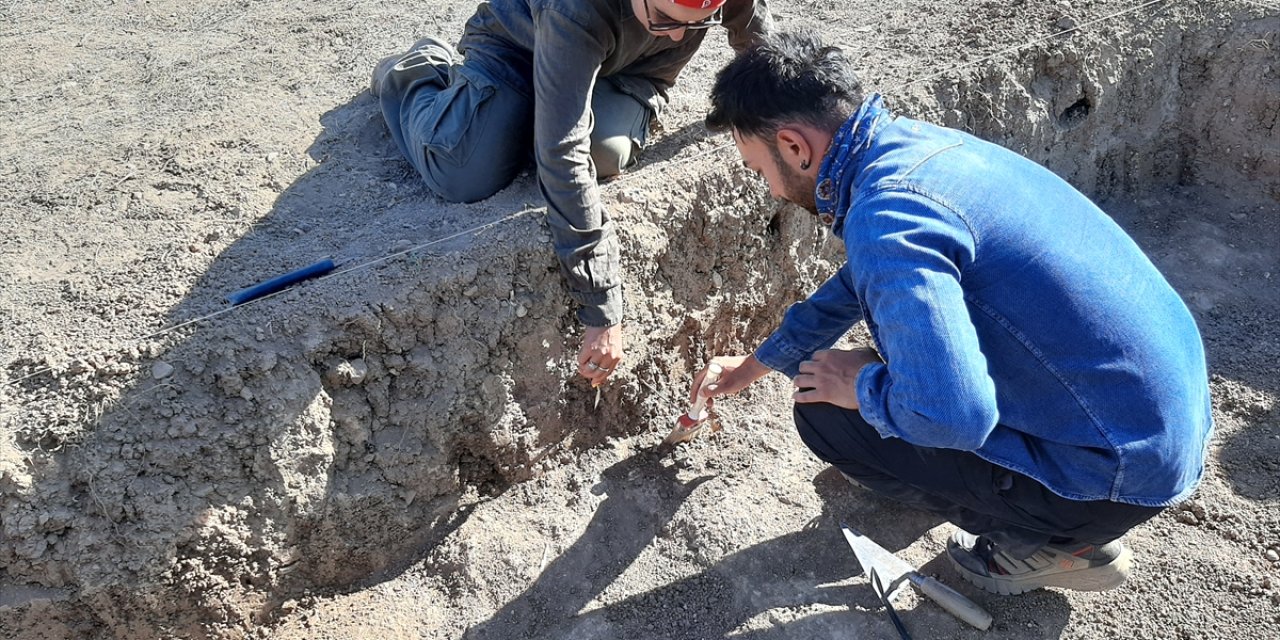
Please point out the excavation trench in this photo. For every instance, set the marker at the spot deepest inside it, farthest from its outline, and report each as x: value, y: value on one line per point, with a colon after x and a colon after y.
x: 290, y: 451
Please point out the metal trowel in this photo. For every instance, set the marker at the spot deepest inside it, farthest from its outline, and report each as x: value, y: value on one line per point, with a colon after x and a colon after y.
x: 894, y: 573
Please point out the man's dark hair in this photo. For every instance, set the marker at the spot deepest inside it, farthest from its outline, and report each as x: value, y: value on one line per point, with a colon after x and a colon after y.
x: 788, y: 78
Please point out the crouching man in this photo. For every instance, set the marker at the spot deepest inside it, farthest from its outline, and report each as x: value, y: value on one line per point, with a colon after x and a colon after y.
x: 1035, y: 380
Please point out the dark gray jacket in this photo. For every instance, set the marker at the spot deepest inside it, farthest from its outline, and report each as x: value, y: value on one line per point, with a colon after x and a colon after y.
x: 567, y: 45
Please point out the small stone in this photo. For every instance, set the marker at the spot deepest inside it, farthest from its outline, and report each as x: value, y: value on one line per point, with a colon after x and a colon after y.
x: 161, y: 370
x: 628, y: 196
x: 521, y: 311
x: 401, y: 245
x: 273, y: 156
x: 470, y: 292
x: 717, y: 280
x: 1272, y: 555
x: 347, y: 373
x: 1066, y: 22
x: 358, y: 371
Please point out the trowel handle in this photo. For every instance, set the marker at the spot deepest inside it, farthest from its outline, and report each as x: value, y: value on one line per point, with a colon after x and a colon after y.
x: 700, y: 400
x: 712, y: 376
x: 951, y: 600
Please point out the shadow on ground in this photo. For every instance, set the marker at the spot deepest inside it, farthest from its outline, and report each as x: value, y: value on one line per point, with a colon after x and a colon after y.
x: 1218, y: 248
x: 809, y: 569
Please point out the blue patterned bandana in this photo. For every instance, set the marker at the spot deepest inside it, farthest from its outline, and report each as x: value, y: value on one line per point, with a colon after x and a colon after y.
x: 840, y: 165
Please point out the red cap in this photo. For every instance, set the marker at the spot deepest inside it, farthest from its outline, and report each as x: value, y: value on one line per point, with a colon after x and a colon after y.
x: 700, y: 4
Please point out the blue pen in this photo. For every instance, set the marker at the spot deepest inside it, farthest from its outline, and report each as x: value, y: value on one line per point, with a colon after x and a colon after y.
x: 281, y: 283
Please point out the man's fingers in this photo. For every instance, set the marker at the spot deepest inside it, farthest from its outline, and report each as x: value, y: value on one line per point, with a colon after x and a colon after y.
x: 808, y: 366
x: 598, y: 369
x: 805, y: 380
x: 590, y: 369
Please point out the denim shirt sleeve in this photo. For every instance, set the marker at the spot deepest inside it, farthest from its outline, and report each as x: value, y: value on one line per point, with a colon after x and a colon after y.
x: 934, y: 390
x: 812, y: 324
x: 566, y: 60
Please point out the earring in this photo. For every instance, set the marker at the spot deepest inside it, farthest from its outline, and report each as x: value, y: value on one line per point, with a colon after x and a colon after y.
x: 804, y: 166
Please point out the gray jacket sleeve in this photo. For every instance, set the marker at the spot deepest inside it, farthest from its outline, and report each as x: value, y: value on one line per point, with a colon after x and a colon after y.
x: 566, y: 59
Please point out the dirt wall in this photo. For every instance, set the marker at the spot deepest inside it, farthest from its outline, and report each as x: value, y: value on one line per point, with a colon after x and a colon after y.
x: 1141, y: 106
x: 315, y: 439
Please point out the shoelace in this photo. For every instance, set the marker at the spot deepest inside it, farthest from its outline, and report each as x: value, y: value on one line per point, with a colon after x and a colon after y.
x: 878, y: 588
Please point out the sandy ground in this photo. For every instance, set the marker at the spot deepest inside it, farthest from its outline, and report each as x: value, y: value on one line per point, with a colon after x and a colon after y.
x: 158, y: 155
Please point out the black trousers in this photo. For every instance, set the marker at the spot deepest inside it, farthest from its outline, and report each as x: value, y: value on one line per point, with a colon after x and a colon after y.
x: 1014, y: 511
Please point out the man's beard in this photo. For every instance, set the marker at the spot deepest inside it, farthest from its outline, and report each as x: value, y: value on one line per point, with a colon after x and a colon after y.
x: 797, y: 188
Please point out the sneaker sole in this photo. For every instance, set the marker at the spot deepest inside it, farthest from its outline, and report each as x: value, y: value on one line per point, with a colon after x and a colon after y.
x: 1101, y: 578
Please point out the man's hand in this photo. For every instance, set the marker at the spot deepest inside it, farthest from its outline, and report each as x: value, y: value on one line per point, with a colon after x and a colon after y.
x: 601, y: 353
x: 739, y: 373
x: 831, y: 376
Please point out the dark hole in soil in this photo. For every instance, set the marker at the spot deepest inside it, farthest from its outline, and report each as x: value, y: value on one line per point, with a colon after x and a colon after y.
x: 1075, y: 114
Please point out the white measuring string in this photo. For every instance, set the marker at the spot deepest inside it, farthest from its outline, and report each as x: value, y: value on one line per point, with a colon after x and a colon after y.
x: 620, y: 180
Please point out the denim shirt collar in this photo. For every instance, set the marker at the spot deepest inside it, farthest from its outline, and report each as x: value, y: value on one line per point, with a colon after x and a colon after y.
x: 835, y: 187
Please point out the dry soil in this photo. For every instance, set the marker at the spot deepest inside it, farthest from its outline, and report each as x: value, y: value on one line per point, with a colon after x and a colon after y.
x: 401, y: 450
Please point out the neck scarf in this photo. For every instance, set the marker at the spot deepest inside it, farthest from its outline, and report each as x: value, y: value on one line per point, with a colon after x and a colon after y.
x: 840, y: 165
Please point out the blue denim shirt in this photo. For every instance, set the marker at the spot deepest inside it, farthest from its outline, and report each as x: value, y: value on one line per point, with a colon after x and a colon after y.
x: 1015, y: 318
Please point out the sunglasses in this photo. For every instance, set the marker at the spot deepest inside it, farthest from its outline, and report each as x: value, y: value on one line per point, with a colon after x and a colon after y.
x: 671, y: 25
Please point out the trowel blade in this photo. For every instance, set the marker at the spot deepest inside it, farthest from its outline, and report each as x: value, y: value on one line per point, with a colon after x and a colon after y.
x: 681, y: 434
x: 894, y: 572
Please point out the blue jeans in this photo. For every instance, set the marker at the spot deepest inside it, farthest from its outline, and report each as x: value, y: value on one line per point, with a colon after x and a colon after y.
x: 1014, y: 511
x: 468, y: 128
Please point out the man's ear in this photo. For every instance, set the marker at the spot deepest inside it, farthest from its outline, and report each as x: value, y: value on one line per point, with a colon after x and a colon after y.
x: 795, y: 148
